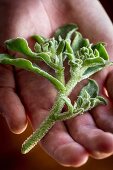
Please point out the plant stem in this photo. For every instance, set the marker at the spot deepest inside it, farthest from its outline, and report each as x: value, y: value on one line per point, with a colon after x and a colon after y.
x: 68, y: 115
x: 60, y: 72
x: 60, y: 76
x: 44, y: 127
x: 32, y: 140
x: 50, y: 120
x: 53, y: 80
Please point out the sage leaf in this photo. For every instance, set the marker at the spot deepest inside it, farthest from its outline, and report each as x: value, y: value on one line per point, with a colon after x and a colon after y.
x: 60, y: 47
x: 69, y: 48
x: 39, y: 39
x: 68, y: 103
x: 79, y: 42
x: 37, y: 48
x: 20, y: 45
x: 45, y: 57
x: 70, y: 34
x: 96, y: 101
x: 102, y: 51
x: 63, y: 31
x: 27, y: 65
x: 91, y: 88
x: 102, y: 100
x: 92, y: 70
x: 91, y: 62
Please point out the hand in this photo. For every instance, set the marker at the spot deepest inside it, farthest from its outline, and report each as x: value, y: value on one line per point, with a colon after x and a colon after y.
x: 26, y: 94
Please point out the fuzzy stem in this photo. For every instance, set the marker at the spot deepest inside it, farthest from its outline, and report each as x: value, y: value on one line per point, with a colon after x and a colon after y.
x: 50, y: 120
x: 60, y: 76
x: 60, y: 72
x: 37, y: 135
x: 68, y: 115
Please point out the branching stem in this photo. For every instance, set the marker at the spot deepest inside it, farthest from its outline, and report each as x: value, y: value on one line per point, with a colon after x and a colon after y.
x: 51, y: 119
x: 84, y: 59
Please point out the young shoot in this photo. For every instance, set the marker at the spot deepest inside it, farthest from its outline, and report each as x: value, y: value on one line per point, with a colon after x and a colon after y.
x: 84, y: 59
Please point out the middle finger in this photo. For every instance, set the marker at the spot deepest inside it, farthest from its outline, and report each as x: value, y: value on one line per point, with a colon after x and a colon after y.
x: 84, y: 131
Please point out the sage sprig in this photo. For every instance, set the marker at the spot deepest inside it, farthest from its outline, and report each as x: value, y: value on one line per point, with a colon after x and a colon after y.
x: 84, y: 59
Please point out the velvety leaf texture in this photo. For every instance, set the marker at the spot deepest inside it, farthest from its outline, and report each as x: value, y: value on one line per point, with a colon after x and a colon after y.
x: 19, y: 45
x: 64, y: 30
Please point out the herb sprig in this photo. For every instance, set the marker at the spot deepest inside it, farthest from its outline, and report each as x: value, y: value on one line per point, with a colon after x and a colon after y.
x: 84, y: 59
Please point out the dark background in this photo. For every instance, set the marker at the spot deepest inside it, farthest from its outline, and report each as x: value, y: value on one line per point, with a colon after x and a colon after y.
x: 37, y: 159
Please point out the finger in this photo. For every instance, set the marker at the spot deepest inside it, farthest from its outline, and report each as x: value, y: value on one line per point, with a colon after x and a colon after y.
x: 83, y: 130
x: 103, y: 114
x: 59, y: 145
x: 109, y: 83
x: 57, y: 142
x: 10, y: 105
x: 12, y: 110
x: 36, y: 92
x: 38, y: 96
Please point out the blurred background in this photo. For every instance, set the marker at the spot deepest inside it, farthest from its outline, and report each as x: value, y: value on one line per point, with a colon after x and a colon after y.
x: 37, y: 159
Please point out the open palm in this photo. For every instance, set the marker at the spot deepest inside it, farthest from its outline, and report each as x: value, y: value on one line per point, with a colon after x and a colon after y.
x: 23, y: 93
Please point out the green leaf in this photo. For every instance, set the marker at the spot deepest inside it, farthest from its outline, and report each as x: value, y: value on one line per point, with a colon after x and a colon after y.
x: 68, y: 103
x: 19, y: 62
x: 96, y: 53
x: 60, y: 47
x: 79, y: 102
x: 45, y: 47
x: 39, y: 39
x: 85, y: 94
x: 52, y: 45
x: 45, y: 57
x: 20, y: 45
x: 37, y: 48
x: 82, y: 103
x: 79, y: 42
x: 91, y: 70
x: 68, y: 48
x: 88, y: 97
x: 102, y: 51
x: 56, y: 60
x: 102, y: 100
x: 63, y: 31
x: 71, y: 57
x: 5, y: 56
x: 96, y: 101
x: 70, y: 34
x: 91, y: 62
x: 27, y: 65
x: 91, y: 88
x: 86, y: 105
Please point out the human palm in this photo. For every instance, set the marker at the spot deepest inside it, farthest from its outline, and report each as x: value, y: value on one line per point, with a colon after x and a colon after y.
x: 23, y: 93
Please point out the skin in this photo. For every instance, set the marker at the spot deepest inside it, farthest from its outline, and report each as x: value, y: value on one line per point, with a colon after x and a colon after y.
x: 24, y: 94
